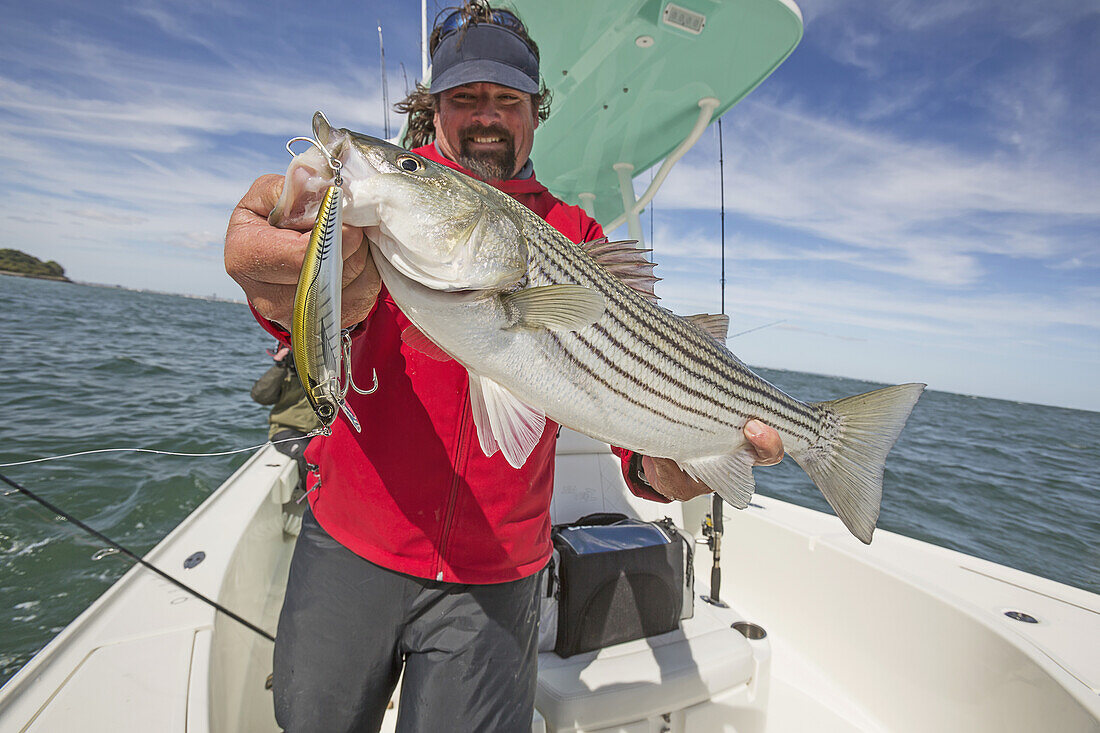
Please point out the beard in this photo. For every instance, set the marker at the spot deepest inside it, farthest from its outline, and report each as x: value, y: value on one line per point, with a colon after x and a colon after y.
x: 491, y: 165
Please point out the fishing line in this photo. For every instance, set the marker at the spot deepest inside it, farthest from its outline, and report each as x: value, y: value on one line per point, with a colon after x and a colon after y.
x: 757, y: 328
x: 133, y: 556
x: 158, y: 452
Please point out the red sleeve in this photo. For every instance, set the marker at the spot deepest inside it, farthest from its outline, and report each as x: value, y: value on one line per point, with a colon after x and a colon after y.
x: 573, y: 222
x: 593, y: 230
x: 271, y: 327
x: 638, y: 489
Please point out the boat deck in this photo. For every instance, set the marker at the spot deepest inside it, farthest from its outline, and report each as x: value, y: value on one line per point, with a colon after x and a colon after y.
x: 897, y: 636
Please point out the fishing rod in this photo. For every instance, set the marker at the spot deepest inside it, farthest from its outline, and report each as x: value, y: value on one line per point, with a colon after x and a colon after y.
x: 133, y: 556
x: 713, y: 530
x: 385, y: 86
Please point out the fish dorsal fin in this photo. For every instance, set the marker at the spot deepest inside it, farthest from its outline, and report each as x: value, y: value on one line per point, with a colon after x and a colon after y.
x: 715, y: 325
x: 626, y: 262
x: 504, y: 422
x: 730, y: 475
x: 416, y: 339
x: 555, y: 307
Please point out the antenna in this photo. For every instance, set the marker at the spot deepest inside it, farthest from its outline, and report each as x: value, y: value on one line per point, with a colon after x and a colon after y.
x: 652, y: 205
x: 385, y: 87
x: 424, y: 61
x: 722, y: 210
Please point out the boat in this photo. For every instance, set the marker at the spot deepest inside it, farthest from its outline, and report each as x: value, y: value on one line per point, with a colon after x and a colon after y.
x: 813, y: 630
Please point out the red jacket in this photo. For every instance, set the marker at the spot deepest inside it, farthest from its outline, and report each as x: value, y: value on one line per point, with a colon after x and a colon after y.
x: 414, y: 492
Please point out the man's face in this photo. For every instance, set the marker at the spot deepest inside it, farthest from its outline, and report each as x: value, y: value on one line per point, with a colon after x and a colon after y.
x: 487, y: 128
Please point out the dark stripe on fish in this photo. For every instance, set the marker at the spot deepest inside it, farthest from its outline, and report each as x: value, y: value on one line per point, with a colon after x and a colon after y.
x: 720, y: 371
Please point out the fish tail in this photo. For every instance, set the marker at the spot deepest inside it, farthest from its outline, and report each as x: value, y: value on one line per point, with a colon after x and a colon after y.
x: 847, y: 464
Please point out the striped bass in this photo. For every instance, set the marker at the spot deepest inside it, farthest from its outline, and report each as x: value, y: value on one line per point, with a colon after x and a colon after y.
x: 547, y: 328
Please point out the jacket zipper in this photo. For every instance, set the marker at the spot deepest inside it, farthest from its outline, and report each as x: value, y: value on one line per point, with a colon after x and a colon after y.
x: 452, y: 499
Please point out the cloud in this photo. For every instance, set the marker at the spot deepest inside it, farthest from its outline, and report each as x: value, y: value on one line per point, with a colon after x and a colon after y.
x: 103, y: 215
x: 170, y: 21
x: 918, y: 173
x: 923, y: 210
x: 772, y: 293
x: 198, y: 241
x: 142, y: 149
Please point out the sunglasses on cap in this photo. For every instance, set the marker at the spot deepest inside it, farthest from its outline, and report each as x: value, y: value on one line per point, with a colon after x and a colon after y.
x: 457, y: 19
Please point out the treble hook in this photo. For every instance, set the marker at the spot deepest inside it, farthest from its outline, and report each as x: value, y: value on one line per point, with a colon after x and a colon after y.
x: 347, y: 368
x: 333, y: 163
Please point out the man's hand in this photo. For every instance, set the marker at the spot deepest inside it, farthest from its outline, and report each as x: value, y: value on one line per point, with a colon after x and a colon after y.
x: 669, y: 480
x: 266, y: 261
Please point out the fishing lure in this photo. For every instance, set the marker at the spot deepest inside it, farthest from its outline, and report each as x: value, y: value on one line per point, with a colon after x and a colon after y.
x: 322, y: 351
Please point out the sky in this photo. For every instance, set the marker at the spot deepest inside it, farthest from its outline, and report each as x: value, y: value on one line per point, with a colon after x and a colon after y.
x: 914, y: 195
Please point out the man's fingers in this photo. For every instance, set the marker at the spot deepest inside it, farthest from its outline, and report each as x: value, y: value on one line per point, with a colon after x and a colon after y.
x: 765, y: 441
x: 266, y: 261
x: 352, y: 241
x: 263, y: 195
x: 670, y: 481
x: 361, y: 287
x: 255, y: 251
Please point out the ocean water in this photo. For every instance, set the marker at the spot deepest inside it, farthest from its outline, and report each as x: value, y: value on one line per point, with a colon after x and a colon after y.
x: 88, y: 367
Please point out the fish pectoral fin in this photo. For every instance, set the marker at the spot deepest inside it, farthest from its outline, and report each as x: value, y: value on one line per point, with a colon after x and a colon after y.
x: 730, y: 475
x: 555, y: 307
x: 503, y: 421
x: 417, y: 339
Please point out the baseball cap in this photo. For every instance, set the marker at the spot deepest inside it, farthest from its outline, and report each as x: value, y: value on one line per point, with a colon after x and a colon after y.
x: 484, y: 52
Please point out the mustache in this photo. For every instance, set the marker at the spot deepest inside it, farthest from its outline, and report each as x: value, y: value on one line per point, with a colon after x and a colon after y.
x: 489, y: 165
x: 469, y: 133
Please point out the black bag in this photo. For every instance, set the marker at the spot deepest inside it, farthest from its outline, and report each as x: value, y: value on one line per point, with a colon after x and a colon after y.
x: 618, y: 579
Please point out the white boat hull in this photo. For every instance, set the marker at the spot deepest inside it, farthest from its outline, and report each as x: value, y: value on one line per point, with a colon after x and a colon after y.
x: 899, y: 636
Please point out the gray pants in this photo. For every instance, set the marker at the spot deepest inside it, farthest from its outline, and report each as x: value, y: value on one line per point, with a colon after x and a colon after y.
x: 347, y: 627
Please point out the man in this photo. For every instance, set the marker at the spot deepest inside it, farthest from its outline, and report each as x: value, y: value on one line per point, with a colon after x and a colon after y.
x: 420, y: 553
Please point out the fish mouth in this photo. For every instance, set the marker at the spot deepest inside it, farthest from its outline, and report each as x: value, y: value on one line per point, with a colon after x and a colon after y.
x: 303, y: 189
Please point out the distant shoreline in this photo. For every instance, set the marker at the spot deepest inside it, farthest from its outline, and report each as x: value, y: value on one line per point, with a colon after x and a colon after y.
x: 189, y: 296
x: 57, y: 278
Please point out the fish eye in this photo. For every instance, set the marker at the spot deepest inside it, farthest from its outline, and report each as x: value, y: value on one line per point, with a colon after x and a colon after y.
x: 410, y: 164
